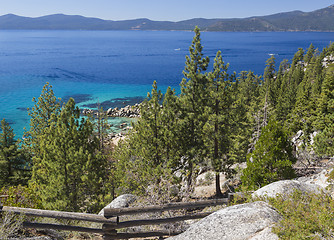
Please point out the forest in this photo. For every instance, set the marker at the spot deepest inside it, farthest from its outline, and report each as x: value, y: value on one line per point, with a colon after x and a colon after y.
x: 218, y: 120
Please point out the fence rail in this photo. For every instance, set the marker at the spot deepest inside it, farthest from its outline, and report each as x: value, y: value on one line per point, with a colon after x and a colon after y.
x: 111, y: 222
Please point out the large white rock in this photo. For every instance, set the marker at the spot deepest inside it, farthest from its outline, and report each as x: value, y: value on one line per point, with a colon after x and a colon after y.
x: 245, y: 221
x: 120, y: 202
x: 320, y: 179
x: 285, y: 188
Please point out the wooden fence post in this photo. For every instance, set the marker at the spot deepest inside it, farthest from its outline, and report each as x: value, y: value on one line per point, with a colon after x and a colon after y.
x: 109, y: 229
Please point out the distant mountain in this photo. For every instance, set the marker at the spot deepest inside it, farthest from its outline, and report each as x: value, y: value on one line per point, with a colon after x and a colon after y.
x: 319, y: 20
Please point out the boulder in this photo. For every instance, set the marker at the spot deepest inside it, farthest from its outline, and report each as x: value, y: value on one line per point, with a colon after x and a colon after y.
x: 285, y: 188
x: 319, y: 179
x: 245, y: 221
x: 109, y: 111
x: 122, y: 201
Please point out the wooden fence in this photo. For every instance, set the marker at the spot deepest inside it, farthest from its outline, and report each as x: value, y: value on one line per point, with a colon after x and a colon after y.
x: 110, y: 221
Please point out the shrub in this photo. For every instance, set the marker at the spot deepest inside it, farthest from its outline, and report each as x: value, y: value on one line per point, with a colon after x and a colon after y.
x: 305, y: 216
x: 20, y: 196
x: 271, y: 159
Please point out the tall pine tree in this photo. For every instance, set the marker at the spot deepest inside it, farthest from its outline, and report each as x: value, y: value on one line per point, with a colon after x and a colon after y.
x: 193, y: 100
x: 218, y: 128
x: 324, y: 140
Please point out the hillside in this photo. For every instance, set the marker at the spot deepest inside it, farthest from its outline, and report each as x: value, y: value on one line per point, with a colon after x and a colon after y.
x: 318, y: 20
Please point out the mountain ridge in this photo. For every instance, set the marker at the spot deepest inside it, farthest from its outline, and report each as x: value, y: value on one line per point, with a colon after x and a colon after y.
x: 318, y: 20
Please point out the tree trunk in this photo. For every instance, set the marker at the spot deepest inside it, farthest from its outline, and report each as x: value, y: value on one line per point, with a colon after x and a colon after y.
x: 219, y: 193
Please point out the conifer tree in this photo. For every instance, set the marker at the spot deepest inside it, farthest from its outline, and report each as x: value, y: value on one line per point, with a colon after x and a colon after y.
x: 309, y: 54
x: 67, y: 172
x: 270, y: 85
x: 152, y: 146
x: 217, y: 129
x: 325, y: 122
x: 247, y: 96
x: 290, y: 80
x: 193, y: 100
x: 101, y: 127
x: 297, y: 68
x: 45, y: 106
x: 170, y: 127
x: 304, y: 113
x: 148, y: 137
x: 13, y: 163
x: 271, y: 160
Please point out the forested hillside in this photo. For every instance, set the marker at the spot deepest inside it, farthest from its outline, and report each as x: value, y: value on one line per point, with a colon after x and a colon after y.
x: 318, y: 20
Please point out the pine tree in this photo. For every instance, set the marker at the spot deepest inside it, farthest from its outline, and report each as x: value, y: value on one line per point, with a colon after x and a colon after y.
x: 101, y: 127
x: 67, y: 172
x: 147, y: 139
x: 193, y: 100
x: 270, y: 84
x: 325, y: 120
x: 297, y: 68
x: 247, y: 97
x: 217, y: 129
x: 13, y: 164
x: 304, y: 112
x: 45, y: 106
x: 271, y: 160
x: 310, y: 53
x: 152, y: 148
x: 170, y: 128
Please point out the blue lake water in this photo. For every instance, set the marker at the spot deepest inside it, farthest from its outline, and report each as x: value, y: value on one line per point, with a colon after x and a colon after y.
x: 114, y: 67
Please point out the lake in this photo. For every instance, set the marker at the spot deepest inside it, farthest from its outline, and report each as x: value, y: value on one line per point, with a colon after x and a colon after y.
x: 119, y: 67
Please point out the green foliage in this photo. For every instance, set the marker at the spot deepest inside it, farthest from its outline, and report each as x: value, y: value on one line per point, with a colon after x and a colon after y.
x: 101, y: 127
x: 305, y: 216
x: 310, y: 53
x: 218, y: 127
x: 205, y: 124
x: 152, y: 146
x: 20, y: 196
x: 193, y: 100
x: 324, y: 140
x: 271, y: 160
x: 134, y: 173
x: 67, y: 173
x: 149, y: 129
x: 13, y: 164
x: 40, y: 114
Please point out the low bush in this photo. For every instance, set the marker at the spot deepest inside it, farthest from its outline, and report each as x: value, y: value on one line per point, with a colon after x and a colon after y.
x: 20, y: 196
x: 305, y: 216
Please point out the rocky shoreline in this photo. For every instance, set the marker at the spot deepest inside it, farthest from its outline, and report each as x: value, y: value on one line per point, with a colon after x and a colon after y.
x: 127, y: 111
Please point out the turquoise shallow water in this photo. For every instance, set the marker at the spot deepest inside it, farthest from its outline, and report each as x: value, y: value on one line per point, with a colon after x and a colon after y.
x: 119, y: 67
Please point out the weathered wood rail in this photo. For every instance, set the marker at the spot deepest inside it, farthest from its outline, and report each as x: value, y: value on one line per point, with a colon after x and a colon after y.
x: 110, y: 221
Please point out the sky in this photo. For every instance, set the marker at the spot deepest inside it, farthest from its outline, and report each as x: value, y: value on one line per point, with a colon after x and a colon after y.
x: 171, y: 10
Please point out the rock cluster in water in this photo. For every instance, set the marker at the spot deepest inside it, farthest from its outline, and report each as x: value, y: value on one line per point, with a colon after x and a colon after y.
x: 127, y: 111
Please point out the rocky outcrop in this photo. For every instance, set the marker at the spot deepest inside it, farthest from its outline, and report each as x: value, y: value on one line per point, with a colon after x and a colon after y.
x: 128, y: 111
x: 285, y: 188
x: 245, y: 221
x: 320, y: 179
x: 87, y: 111
x: 120, y: 202
x: 328, y: 60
